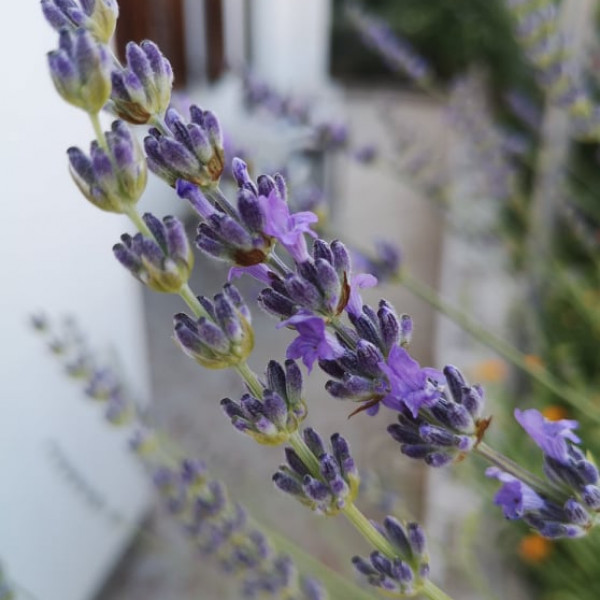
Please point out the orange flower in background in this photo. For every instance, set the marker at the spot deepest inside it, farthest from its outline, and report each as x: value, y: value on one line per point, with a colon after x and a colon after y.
x: 533, y: 361
x: 492, y: 370
x: 534, y: 548
x: 555, y: 413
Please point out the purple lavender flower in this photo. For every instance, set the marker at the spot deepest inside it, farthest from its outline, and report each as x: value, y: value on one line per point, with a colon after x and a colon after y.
x: 192, y: 151
x: 80, y: 70
x: 288, y: 229
x: 313, y: 341
x: 112, y: 179
x: 163, y: 263
x: 446, y: 428
x: 403, y: 573
x: 97, y: 16
x: 515, y: 497
x: 230, y: 233
x: 410, y: 385
x: 271, y: 419
x: 359, y: 281
x: 550, y: 436
x: 520, y: 501
x: 141, y: 91
x: 564, y: 462
x: 224, y: 337
x: 328, y: 491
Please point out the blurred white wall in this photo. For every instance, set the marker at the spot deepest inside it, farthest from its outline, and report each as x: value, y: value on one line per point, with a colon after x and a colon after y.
x: 290, y: 43
x: 57, y: 254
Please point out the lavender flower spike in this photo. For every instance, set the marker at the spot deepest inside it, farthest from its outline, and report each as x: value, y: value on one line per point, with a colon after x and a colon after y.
x: 192, y: 151
x: 80, y: 70
x: 163, y: 263
x: 222, y: 339
x: 448, y: 423
x: 552, y: 520
x: 142, y: 90
x: 564, y: 463
x: 404, y: 573
x: 273, y: 418
x: 326, y: 492
x: 112, y: 179
x: 99, y: 17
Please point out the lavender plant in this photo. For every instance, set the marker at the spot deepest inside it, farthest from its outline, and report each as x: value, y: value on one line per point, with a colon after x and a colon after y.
x: 312, y: 291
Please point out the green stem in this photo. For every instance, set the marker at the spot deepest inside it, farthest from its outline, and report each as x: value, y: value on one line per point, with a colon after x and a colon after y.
x: 339, y: 585
x: 95, y: 119
x: 303, y: 451
x: 137, y: 220
x: 506, y: 464
x: 218, y: 197
x: 159, y: 122
x: 190, y: 299
x: 368, y: 530
x: 337, y: 326
x: 504, y: 349
x: 251, y: 379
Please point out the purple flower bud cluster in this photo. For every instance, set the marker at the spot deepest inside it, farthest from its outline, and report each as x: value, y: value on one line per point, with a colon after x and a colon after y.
x: 141, y: 91
x: 230, y: 234
x: 97, y: 16
x: 403, y: 573
x: 111, y: 178
x: 223, y: 337
x: 270, y: 194
x: 323, y: 285
x: 550, y: 518
x: 192, y: 151
x: 328, y: 491
x: 573, y: 509
x: 397, y: 53
x: 360, y: 371
x: 163, y: 263
x: 80, y: 70
x: 271, y: 419
x: 448, y: 423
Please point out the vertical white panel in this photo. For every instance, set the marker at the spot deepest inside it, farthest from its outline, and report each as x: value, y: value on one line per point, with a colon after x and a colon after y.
x: 57, y: 257
x: 290, y: 42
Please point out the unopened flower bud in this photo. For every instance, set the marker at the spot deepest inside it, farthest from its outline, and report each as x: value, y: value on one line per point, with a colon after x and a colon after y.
x: 163, y: 263
x: 80, y: 70
x: 221, y: 341
x: 114, y: 178
x: 333, y: 487
x: 99, y: 17
x: 142, y: 90
x: 192, y: 151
